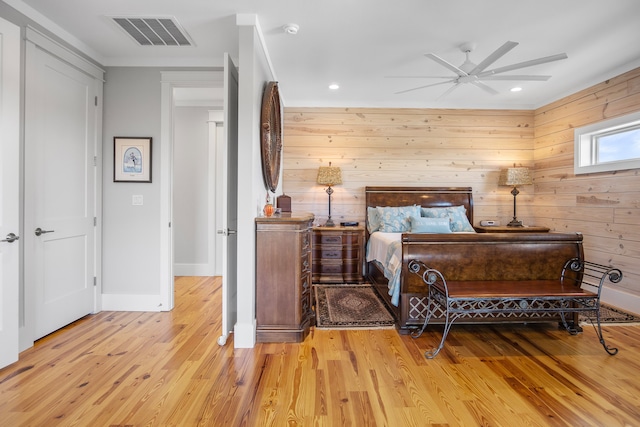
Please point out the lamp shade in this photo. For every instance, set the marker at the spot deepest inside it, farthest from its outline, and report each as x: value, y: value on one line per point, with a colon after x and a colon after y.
x: 329, y: 175
x: 515, y: 176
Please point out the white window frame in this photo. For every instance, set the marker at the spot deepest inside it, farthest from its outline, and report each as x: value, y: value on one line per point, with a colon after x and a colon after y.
x: 585, y: 148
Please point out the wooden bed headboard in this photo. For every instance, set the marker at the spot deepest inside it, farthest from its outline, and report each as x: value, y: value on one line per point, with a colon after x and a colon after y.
x: 427, y: 197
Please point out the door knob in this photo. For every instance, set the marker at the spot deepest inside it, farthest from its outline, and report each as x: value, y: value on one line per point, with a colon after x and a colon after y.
x: 226, y: 232
x: 40, y: 231
x: 10, y: 238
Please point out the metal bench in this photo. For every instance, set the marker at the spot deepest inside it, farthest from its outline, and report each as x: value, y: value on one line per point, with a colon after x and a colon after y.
x: 577, y: 289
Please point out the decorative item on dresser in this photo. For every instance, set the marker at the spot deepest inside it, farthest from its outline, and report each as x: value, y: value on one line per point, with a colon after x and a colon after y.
x: 338, y: 254
x: 284, y: 203
x: 283, y: 277
x: 329, y: 176
x: 514, y: 177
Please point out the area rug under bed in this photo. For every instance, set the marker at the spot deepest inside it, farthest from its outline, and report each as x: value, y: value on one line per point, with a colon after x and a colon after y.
x: 350, y: 306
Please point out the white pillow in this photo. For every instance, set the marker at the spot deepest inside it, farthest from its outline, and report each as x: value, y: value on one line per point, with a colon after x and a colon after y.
x: 430, y: 225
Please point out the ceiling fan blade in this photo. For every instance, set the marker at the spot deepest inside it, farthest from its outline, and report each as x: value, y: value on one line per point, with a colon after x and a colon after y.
x: 448, y: 91
x: 426, y: 86
x: 524, y: 64
x: 485, y: 87
x: 445, y: 64
x: 417, y: 77
x: 499, y: 53
x: 518, y: 77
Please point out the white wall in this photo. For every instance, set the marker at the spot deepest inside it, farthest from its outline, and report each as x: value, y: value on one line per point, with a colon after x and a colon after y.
x: 254, y: 72
x: 192, y: 191
x: 131, y: 241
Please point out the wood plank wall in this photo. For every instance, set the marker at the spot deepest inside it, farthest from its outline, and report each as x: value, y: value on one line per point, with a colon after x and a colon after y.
x: 431, y: 147
x: 421, y: 147
x: 605, y: 207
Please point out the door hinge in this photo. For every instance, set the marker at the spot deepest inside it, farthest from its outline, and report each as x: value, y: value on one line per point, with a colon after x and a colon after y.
x: 95, y: 281
x: 95, y: 160
x: 95, y: 221
x: 96, y: 101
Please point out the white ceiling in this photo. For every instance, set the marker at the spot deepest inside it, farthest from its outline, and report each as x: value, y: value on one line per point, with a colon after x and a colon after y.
x: 359, y: 43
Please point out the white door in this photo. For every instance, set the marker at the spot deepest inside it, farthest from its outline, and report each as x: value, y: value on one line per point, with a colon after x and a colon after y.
x: 9, y: 190
x: 230, y: 200
x: 60, y: 149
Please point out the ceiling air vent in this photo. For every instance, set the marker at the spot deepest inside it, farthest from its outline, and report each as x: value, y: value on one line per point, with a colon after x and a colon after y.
x: 154, y: 31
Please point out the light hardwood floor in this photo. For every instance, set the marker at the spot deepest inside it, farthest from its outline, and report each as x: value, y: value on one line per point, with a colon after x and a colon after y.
x: 166, y: 369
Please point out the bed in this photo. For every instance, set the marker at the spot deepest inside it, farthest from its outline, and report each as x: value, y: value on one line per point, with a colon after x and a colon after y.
x: 458, y: 251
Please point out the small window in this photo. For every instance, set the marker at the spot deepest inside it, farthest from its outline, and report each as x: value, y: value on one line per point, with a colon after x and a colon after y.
x: 609, y: 145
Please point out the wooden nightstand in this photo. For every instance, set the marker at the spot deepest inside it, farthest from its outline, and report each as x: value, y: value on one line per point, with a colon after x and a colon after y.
x: 507, y: 229
x: 338, y: 254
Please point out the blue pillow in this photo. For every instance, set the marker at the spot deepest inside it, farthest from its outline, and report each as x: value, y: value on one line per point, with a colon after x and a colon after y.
x: 373, y: 220
x: 429, y: 225
x: 457, y: 215
x: 396, y: 219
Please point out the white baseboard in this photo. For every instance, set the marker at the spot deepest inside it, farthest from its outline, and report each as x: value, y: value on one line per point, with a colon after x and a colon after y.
x: 193, y: 270
x: 621, y: 299
x: 244, y: 335
x: 119, y: 302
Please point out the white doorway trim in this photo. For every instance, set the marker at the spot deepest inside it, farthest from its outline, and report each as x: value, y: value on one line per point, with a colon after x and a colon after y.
x: 10, y: 172
x: 216, y: 123
x: 169, y: 81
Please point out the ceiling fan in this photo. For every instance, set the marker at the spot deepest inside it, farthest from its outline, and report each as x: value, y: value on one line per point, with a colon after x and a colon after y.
x: 477, y: 74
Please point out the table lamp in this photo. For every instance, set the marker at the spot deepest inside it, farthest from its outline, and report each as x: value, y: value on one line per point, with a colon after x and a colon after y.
x: 514, y: 177
x: 329, y: 176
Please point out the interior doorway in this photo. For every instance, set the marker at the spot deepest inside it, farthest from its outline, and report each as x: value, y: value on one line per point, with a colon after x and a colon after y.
x: 225, y: 177
x: 197, y: 123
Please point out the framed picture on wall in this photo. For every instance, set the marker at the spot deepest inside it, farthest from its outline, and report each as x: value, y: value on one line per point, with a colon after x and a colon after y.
x: 131, y: 159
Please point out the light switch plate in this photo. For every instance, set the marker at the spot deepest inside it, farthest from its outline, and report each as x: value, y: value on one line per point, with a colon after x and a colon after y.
x: 137, y: 200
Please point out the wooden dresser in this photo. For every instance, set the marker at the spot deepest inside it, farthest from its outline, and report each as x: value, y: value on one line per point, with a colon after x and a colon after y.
x: 338, y: 254
x: 283, y: 277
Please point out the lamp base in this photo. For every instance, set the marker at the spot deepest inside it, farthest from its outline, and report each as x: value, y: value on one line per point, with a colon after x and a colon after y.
x: 515, y: 223
x: 329, y: 223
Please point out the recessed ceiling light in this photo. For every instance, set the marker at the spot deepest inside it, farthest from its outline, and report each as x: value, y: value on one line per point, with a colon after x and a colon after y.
x: 516, y: 89
x: 291, y: 28
x: 334, y: 86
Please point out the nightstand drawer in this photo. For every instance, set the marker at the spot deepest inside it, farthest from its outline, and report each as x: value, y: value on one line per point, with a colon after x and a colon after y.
x: 326, y: 268
x: 333, y: 238
x: 351, y: 252
x: 331, y: 254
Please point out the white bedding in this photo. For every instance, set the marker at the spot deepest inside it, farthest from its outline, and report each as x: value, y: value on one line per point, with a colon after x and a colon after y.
x: 386, y: 248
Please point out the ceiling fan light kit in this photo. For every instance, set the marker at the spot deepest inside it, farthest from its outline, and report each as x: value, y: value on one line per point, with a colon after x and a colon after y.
x: 476, y: 74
